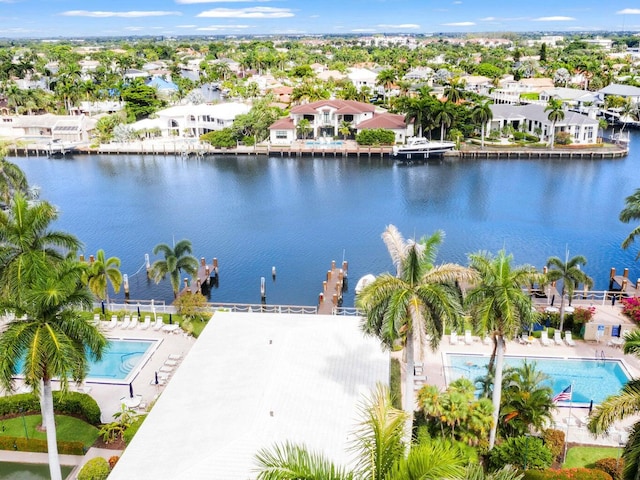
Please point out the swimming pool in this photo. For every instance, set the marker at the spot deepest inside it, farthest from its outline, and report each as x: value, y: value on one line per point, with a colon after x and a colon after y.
x: 121, y: 361
x: 591, y: 379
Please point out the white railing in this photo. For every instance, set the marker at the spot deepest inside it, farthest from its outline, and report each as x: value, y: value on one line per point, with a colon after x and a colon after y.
x: 351, y: 311
x: 260, y: 308
x: 588, y: 297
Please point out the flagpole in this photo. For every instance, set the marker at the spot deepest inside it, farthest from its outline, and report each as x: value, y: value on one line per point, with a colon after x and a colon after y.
x: 566, y: 437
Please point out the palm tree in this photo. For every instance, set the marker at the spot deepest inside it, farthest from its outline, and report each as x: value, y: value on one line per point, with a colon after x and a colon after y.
x: 475, y: 471
x: 344, y: 129
x: 570, y: 274
x: 381, y: 453
x: 499, y: 307
x: 625, y: 404
x: 453, y: 91
x: 101, y: 272
x: 556, y: 113
x: 420, y: 300
x: 52, y: 339
x: 176, y: 260
x: 386, y: 78
x: 482, y: 114
x: 526, y: 400
x: 27, y: 246
x: 631, y: 211
x: 304, y: 127
x: 12, y: 178
x: 444, y: 115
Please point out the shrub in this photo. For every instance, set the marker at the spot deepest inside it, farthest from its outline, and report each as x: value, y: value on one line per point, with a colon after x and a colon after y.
x: 522, y: 452
x: 95, y: 469
x: 567, y: 474
x: 221, y: 138
x: 129, y: 433
x: 554, y: 440
x: 40, y: 446
x: 376, y: 136
x: 113, y: 460
x: 613, y: 466
x: 583, y: 315
x: 631, y: 308
x: 75, y: 404
x: 563, y: 138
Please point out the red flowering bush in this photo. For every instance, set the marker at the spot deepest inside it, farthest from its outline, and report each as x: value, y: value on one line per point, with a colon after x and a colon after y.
x: 583, y: 315
x: 631, y: 308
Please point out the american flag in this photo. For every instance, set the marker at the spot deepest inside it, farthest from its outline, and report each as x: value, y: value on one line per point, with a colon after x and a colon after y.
x: 563, y: 396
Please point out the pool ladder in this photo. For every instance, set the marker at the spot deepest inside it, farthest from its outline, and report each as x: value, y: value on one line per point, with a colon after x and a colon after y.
x: 600, y: 355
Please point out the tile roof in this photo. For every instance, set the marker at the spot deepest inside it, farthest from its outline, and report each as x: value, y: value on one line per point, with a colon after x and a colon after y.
x: 341, y: 106
x: 389, y: 121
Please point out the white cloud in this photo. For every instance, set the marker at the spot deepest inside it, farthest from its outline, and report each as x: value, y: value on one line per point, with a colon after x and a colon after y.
x: 457, y: 3
x: 458, y: 24
x: 557, y: 18
x: 186, y: 26
x: 363, y: 30
x: 488, y: 19
x: 629, y: 11
x: 134, y: 29
x: 399, y: 25
x: 222, y: 27
x: 250, y: 12
x: 131, y: 14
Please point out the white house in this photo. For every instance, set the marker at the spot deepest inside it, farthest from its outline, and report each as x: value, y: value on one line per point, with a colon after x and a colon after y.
x: 534, y: 120
x: 625, y: 91
x: 362, y: 77
x: 193, y: 120
x: 68, y: 128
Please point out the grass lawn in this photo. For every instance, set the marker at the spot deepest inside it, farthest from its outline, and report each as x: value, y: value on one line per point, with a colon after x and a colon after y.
x: 587, y: 456
x: 197, y: 325
x: 67, y: 429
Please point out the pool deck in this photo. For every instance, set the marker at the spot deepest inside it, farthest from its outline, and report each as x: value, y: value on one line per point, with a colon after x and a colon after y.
x: 434, y: 370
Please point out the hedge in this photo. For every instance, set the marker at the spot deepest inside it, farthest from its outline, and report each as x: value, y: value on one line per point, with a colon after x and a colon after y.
x: 567, y: 474
x: 75, y: 404
x: 37, y: 445
x: 128, y: 434
x: 95, y: 469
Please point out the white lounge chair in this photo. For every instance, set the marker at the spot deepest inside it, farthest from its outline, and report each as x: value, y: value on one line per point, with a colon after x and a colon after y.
x: 178, y: 356
x: 96, y: 319
x: 171, y: 363
x: 134, y: 322
x: 557, y: 337
x: 453, y: 339
x: 487, y: 340
x: 159, y: 323
x: 544, y: 338
x: 467, y: 337
x: 114, y: 321
x: 147, y: 322
x: 568, y: 338
x: 166, y: 368
x: 125, y: 322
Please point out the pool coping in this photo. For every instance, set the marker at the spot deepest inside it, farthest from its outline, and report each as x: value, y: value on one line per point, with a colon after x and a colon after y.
x: 625, y: 367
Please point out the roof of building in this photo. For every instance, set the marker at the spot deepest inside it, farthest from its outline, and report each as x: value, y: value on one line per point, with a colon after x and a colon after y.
x: 283, y: 124
x: 389, y: 121
x: 564, y: 93
x: 253, y: 380
x: 620, y: 90
x: 223, y: 111
x: 346, y: 107
x: 162, y: 84
x: 537, y: 113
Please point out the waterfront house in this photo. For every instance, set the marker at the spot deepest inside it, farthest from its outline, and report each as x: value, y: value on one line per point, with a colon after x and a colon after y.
x: 326, y: 116
x: 362, y: 77
x: 164, y: 87
x: 64, y: 128
x: 510, y: 90
x: 534, y: 120
x: 625, y: 91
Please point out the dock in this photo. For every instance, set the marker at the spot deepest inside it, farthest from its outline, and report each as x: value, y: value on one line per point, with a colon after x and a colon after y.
x: 332, y: 288
x: 206, y: 276
x: 622, y: 284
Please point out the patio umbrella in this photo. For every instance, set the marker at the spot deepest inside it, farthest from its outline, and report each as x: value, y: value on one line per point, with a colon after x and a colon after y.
x: 170, y: 319
x: 131, y: 390
x: 553, y: 299
x: 103, y: 307
x: 157, y: 378
x: 138, y: 311
x: 590, y: 406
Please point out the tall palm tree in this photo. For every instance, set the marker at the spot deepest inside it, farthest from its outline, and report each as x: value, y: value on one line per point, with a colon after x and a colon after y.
x: 625, y: 404
x: 12, y: 178
x: 444, y: 115
x: 631, y: 211
x: 176, y: 260
x: 101, y: 272
x: 556, y: 113
x: 381, y: 453
x: 453, y: 91
x: 27, y: 246
x: 482, y: 114
x: 420, y: 300
x: 386, y: 78
x: 570, y: 274
x: 52, y: 339
x: 499, y: 307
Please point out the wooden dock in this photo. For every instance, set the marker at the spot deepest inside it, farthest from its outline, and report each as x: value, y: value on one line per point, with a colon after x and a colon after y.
x: 332, y: 288
x: 207, y: 276
x: 622, y: 284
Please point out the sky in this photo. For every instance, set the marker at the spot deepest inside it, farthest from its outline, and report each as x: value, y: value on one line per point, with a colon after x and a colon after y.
x: 95, y: 18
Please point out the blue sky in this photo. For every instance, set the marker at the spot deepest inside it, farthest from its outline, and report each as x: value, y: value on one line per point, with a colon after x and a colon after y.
x: 85, y: 18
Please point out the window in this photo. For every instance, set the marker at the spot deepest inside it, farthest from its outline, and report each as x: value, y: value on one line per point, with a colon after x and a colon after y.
x: 281, y: 134
x: 589, y: 133
x: 325, y: 117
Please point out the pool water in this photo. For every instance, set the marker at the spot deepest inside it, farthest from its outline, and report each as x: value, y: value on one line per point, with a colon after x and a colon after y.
x: 591, y: 379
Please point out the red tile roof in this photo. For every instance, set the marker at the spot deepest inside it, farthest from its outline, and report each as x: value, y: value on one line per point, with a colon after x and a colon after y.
x: 283, y: 124
x: 345, y: 107
x: 389, y: 121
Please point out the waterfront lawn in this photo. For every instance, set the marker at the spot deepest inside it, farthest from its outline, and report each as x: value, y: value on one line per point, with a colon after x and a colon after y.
x: 587, y: 456
x: 69, y: 429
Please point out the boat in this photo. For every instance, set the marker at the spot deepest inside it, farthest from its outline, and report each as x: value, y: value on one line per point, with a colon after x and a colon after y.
x: 420, y: 147
x: 363, y: 282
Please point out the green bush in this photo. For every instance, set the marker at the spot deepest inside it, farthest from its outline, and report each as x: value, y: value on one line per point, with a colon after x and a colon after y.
x: 395, y: 383
x: 522, y: 452
x: 613, y: 466
x: 95, y: 469
x: 554, y: 440
x: 133, y: 429
x: 563, y: 138
x: 376, y: 136
x: 221, y: 138
x: 75, y: 404
x: 525, y: 136
x: 22, y: 444
x: 567, y: 474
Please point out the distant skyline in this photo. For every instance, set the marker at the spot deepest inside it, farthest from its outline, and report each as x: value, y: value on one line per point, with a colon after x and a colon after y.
x: 97, y: 18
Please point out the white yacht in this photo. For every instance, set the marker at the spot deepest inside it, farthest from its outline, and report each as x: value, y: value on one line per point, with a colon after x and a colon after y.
x: 420, y: 147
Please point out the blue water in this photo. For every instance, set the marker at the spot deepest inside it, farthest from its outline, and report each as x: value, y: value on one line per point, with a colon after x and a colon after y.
x: 591, y: 379
x: 120, y: 358
x: 298, y: 214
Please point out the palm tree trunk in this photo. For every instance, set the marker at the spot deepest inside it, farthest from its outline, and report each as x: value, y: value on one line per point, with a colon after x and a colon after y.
x: 562, y: 308
x: 497, y: 390
x: 553, y: 134
x: 49, y: 422
x: 408, y: 403
x: 482, y: 136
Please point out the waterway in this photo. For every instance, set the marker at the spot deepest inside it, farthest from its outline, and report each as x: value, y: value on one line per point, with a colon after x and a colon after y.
x: 298, y: 214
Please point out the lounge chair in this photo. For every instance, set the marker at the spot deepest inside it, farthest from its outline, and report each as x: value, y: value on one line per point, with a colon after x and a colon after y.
x: 557, y: 337
x: 178, y: 356
x: 487, y: 340
x: 96, y: 319
x: 125, y: 323
x: 453, y: 339
x: 544, y: 338
x: 134, y: 322
x: 171, y: 363
x: 467, y: 337
x: 166, y: 368
x: 147, y: 322
x: 568, y: 338
x: 159, y: 323
x: 114, y: 321
x: 417, y: 368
